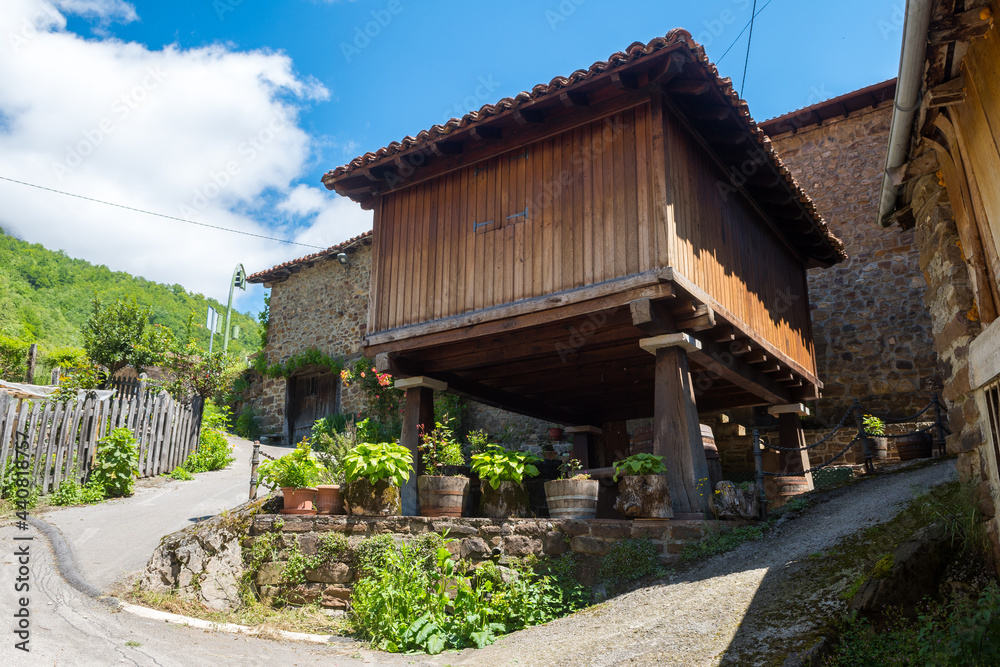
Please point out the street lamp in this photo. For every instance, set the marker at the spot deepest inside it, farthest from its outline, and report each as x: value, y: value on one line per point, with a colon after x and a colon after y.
x: 239, y: 280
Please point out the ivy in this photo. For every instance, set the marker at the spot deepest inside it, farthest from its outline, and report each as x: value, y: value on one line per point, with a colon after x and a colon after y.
x: 309, y: 357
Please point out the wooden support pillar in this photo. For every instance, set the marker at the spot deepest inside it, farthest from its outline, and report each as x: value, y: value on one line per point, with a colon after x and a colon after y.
x: 584, y: 444
x: 790, y: 435
x: 418, y: 410
x: 676, y: 431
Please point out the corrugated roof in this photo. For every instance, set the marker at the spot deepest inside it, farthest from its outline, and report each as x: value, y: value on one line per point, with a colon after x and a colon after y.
x: 283, y: 270
x: 677, y: 40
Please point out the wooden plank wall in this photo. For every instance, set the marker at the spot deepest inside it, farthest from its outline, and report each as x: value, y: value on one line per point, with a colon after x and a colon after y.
x: 724, y: 247
x: 63, y: 436
x: 570, y: 210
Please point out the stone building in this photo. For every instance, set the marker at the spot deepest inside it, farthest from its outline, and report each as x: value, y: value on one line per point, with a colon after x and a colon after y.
x: 942, y: 187
x: 871, y: 327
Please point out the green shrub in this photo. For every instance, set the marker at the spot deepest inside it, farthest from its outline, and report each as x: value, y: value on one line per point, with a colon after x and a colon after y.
x: 375, y: 462
x: 331, y: 446
x: 248, y: 423
x: 117, y: 464
x: 629, y: 560
x: 295, y: 470
x: 214, y: 451
x: 497, y: 464
x: 440, y: 448
x: 13, y: 359
x: 71, y: 493
x: 182, y: 474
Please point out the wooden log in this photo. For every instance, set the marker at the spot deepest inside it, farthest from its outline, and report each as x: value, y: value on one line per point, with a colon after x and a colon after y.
x: 644, y: 497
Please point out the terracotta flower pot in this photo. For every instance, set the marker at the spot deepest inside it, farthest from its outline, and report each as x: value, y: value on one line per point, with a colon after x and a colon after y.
x: 298, y: 500
x: 442, y: 496
x: 572, y: 498
x: 550, y: 455
x: 362, y: 498
x: 328, y: 499
x: 555, y: 434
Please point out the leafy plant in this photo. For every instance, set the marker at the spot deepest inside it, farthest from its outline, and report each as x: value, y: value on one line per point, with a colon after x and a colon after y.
x: 639, y: 464
x: 873, y: 425
x: 439, y: 448
x: 120, y: 335
x: 295, y: 470
x: 13, y: 358
x: 71, y: 493
x: 572, y: 469
x: 248, y: 423
x: 629, y: 560
x: 181, y: 473
x: 332, y: 446
x: 477, y: 441
x: 375, y: 462
x: 117, y: 464
x: 497, y: 464
x: 214, y: 451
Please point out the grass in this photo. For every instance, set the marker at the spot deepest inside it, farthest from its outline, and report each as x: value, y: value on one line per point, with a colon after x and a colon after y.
x: 727, y: 540
x: 311, y: 619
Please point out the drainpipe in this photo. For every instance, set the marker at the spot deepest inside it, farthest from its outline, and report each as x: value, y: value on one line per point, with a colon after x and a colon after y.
x: 911, y: 71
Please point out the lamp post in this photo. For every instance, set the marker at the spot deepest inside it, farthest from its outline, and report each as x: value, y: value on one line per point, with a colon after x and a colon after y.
x: 239, y: 280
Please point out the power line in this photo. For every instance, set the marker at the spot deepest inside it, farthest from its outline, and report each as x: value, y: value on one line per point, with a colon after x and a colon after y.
x: 746, y: 61
x: 161, y: 215
x: 752, y: 17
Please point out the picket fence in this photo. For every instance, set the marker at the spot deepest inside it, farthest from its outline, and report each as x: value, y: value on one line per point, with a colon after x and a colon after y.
x: 62, y: 436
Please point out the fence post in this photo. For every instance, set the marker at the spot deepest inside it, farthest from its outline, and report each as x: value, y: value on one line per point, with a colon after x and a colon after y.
x: 758, y: 461
x: 866, y: 447
x: 29, y: 377
x: 253, y: 469
x: 939, y: 424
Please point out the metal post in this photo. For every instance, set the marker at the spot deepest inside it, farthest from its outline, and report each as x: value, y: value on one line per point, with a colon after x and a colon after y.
x: 239, y: 280
x: 939, y: 423
x: 758, y: 461
x: 254, y: 460
x: 866, y: 449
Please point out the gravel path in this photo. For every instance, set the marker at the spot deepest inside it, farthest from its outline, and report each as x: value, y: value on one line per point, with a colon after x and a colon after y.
x: 713, y: 614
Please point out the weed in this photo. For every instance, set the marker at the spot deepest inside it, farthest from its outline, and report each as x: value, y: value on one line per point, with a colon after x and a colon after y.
x: 627, y: 561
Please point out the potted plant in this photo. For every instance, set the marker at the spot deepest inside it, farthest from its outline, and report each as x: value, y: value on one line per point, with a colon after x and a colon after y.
x: 442, y: 492
x: 549, y: 452
x: 876, y: 427
x: 501, y: 472
x: 555, y: 433
x: 295, y: 474
x: 331, y: 446
x: 373, y: 473
x: 643, y: 491
x: 573, y: 495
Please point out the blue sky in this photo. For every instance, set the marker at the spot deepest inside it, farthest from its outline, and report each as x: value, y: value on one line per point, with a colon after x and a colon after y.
x: 303, y: 78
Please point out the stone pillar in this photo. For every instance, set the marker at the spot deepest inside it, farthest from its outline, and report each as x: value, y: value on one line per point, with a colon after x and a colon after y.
x: 790, y: 435
x: 584, y: 444
x: 676, y: 431
x: 418, y: 410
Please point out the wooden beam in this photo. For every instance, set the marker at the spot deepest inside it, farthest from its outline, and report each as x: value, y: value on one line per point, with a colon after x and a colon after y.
x: 625, y: 80
x: 526, y: 116
x: 757, y: 357
x: 960, y: 27
x: 507, y: 401
x: 723, y: 334
x: 572, y: 99
x: 946, y: 94
x: 651, y: 317
x: 711, y: 112
x: 689, y: 87
x: 485, y: 133
x: 443, y: 148
x: 703, y: 318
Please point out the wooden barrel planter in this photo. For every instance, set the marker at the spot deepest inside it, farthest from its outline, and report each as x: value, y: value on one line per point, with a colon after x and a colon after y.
x: 572, y: 498
x: 915, y: 446
x: 711, y: 456
x: 790, y: 486
x: 442, y: 496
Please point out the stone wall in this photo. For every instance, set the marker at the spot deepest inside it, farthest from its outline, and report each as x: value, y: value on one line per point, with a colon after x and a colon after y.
x: 871, y: 326
x: 474, y: 540
x: 323, y: 306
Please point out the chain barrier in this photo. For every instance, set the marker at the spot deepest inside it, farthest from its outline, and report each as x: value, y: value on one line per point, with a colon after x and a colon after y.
x: 819, y: 442
x: 815, y: 467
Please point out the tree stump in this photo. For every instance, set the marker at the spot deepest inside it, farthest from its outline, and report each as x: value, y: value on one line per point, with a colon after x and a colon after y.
x: 733, y: 502
x: 644, y: 497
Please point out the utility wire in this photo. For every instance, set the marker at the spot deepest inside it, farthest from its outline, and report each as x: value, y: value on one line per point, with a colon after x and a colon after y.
x: 746, y: 61
x: 752, y: 16
x: 162, y: 215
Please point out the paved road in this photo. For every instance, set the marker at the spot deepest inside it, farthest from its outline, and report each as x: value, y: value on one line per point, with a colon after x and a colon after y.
x: 115, y: 538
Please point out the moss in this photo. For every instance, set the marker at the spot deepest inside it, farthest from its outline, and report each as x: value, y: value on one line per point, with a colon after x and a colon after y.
x: 363, y: 498
x: 509, y: 499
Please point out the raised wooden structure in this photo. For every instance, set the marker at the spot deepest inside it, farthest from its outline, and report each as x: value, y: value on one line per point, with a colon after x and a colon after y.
x: 521, y: 253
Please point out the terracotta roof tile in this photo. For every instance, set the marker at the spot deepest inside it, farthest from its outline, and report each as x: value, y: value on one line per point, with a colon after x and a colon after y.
x: 281, y: 270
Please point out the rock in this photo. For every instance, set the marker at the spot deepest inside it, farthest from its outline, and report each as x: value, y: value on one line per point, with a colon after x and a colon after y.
x: 204, y: 562
x: 912, y: 573
x: 329, y: 573
x: 735, y: 503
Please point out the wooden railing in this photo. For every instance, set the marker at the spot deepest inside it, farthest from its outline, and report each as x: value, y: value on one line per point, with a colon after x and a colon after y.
x: 62, y: 436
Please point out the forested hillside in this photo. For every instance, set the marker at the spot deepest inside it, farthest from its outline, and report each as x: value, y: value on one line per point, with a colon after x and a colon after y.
x: 45, y: 297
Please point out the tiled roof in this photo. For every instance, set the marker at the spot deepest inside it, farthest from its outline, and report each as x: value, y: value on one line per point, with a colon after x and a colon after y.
x: 677, y: 40
x: 842, y: 105
x: 282, y: 271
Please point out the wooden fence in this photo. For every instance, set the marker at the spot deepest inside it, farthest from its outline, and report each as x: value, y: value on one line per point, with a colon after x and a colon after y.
x: 62, y: 436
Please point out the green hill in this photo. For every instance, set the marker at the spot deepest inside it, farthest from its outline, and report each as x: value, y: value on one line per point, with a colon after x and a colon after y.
x: 45, y: 298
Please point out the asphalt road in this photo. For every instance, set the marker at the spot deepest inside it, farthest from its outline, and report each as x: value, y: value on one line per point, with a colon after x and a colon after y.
x: 115, y: 538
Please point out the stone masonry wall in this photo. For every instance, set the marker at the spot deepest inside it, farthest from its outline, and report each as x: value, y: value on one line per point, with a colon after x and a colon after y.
x: 475, y: 540
x: 872, y: 329
x: 324, y: 306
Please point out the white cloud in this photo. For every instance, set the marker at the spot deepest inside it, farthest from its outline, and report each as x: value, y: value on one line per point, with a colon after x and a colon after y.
x: 210, y: 134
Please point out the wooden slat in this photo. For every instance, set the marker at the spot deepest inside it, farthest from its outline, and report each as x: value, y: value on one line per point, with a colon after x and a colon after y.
x: 8, y: 413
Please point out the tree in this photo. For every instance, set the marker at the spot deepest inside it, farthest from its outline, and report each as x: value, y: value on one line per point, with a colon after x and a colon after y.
x: 120, y: 335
